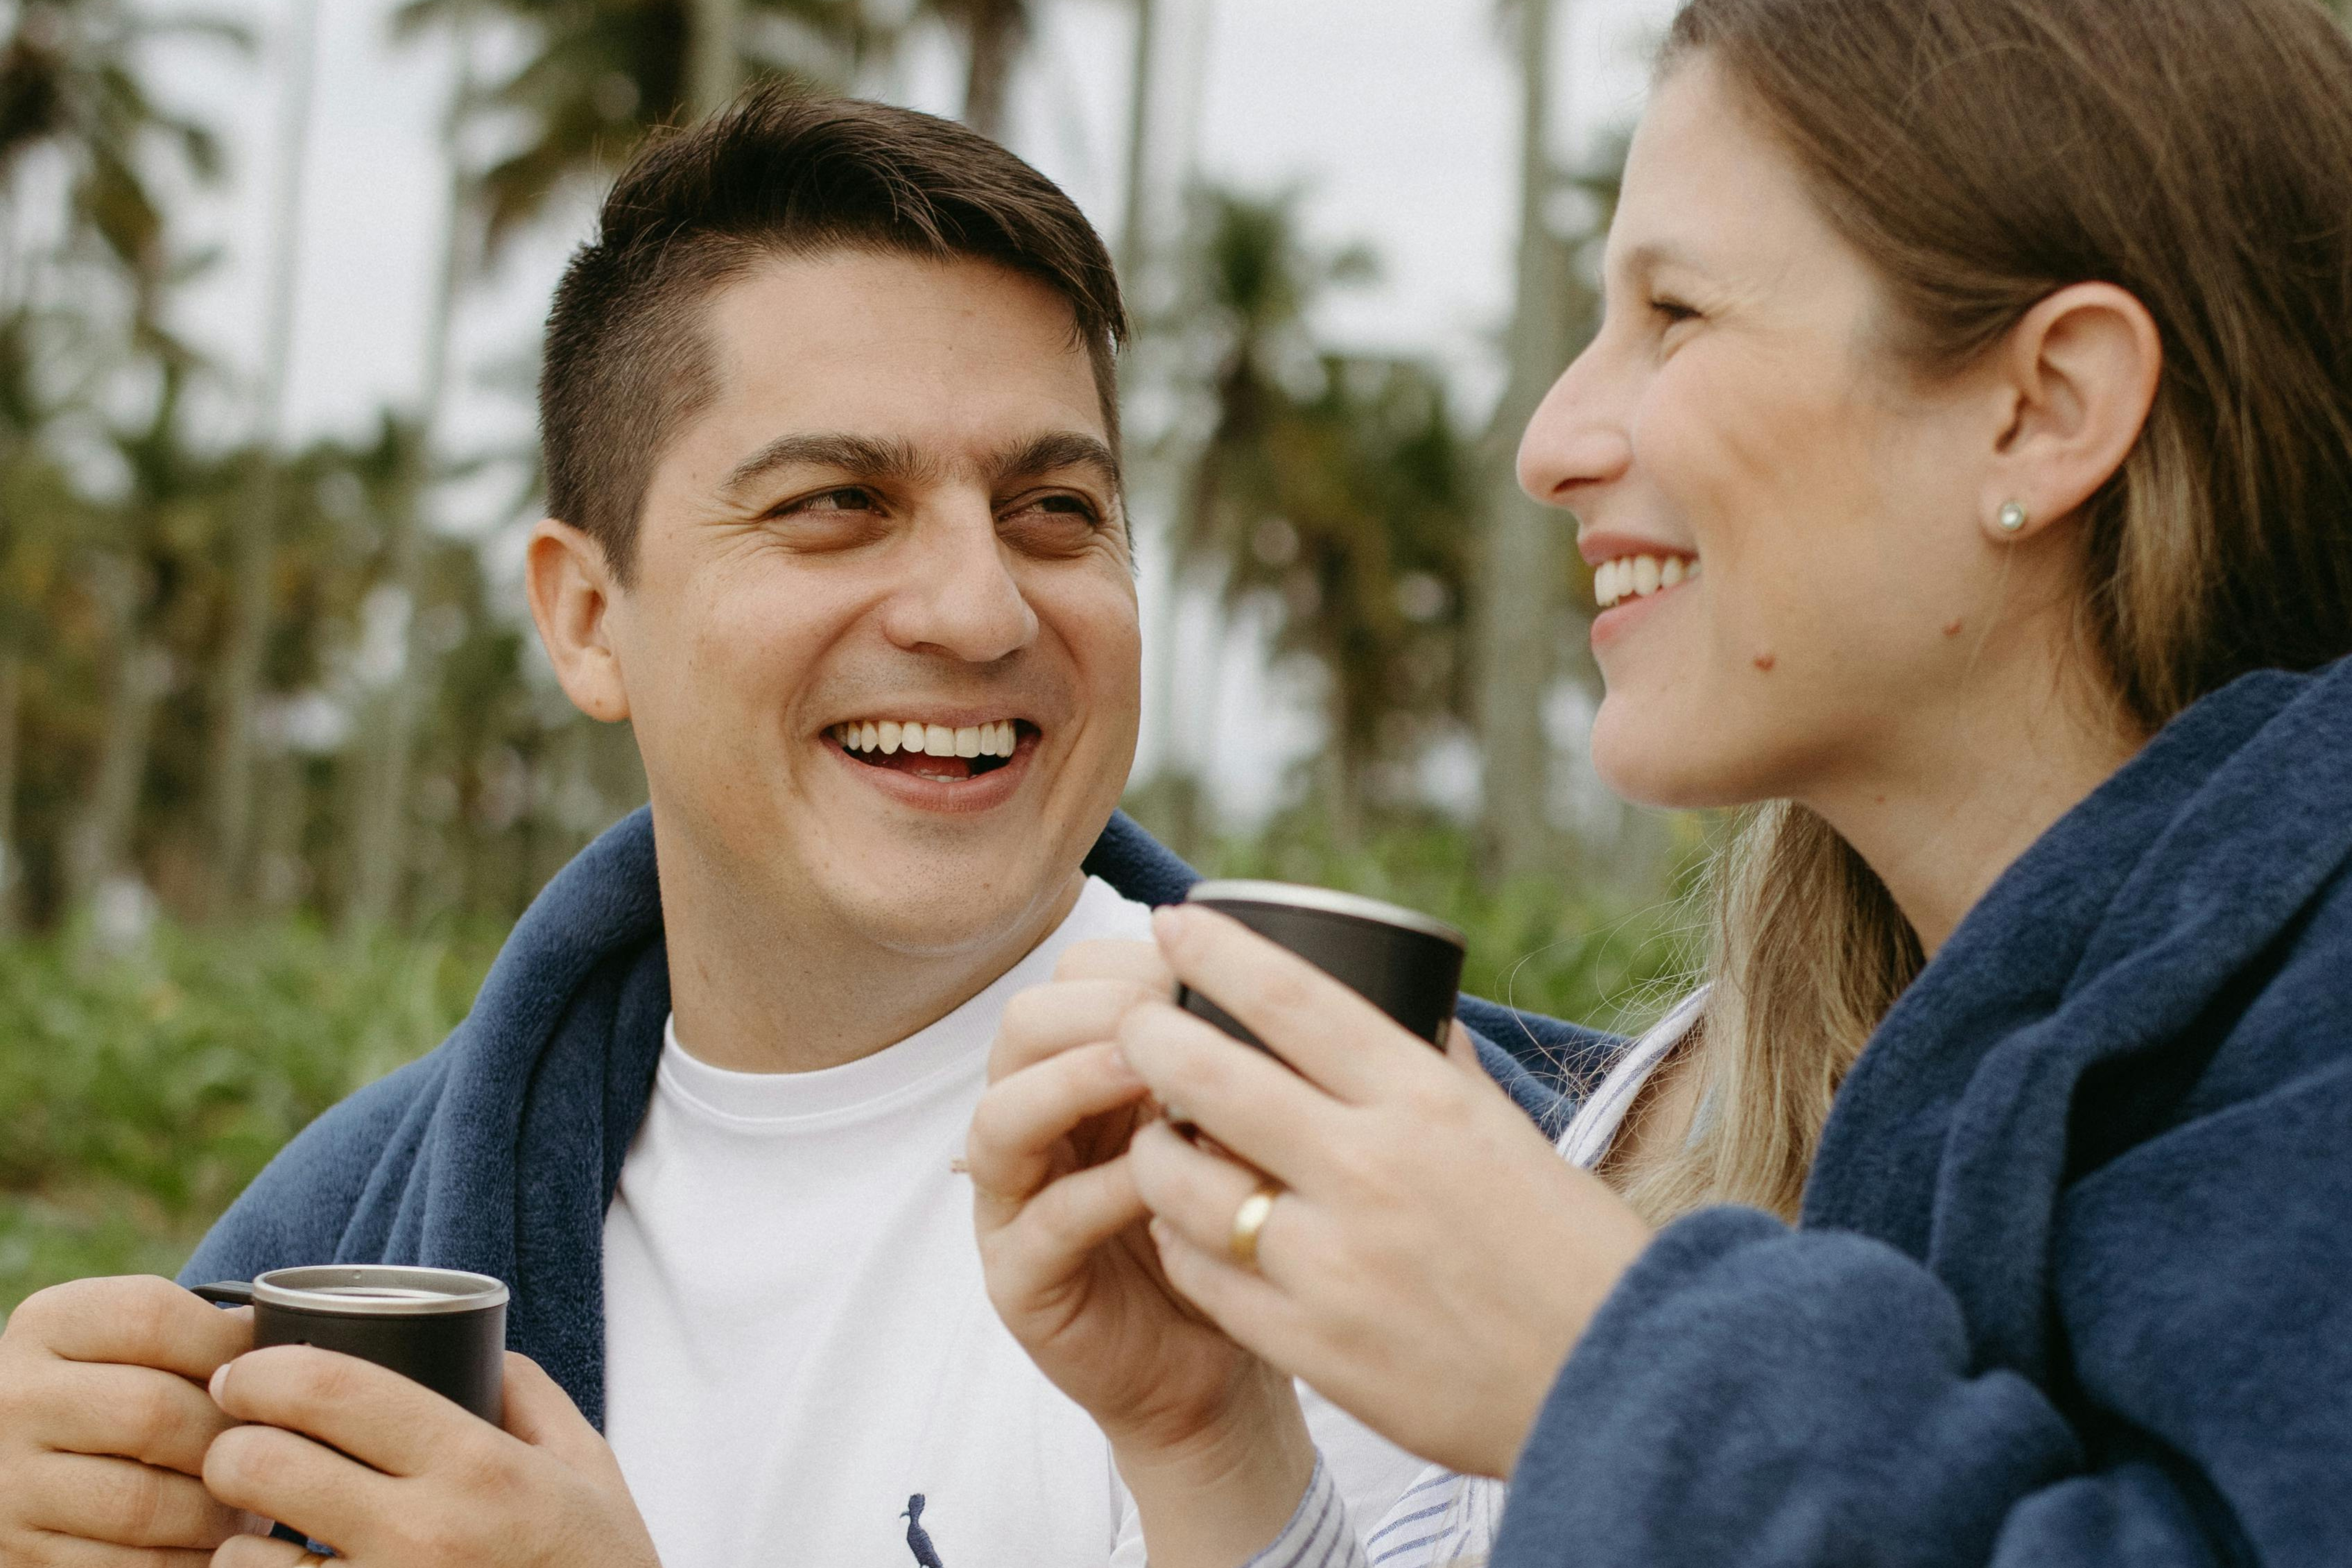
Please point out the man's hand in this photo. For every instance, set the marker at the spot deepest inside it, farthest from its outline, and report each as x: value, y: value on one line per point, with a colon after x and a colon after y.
x: 393, y: 1476
x: 1209, y: 1438
x: 104, y: 1423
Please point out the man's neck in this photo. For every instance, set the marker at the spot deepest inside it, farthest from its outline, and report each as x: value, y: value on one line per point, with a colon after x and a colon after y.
x: 762, y: 990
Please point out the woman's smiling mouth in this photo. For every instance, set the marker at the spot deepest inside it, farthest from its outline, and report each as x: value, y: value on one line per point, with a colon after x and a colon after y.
x: 1640, y: 576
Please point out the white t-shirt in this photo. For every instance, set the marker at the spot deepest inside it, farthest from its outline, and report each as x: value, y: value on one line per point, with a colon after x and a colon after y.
x: 799, y: 1344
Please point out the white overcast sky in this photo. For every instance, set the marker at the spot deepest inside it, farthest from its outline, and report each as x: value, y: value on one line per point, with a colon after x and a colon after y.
x: 1398, y: 117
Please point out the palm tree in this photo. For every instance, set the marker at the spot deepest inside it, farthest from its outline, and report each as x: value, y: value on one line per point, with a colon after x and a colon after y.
x: 146, y: 572
x: 66, y: 84
x: 598, y: 74
x: 993, y: 33
x: 237, y: 684
x: 1329, y: 487
x: 69, y: 89
x: 1366, y: 554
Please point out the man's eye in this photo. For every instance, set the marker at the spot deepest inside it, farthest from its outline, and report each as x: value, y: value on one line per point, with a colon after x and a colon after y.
x: 1063, y: 510
x: 851, y: 499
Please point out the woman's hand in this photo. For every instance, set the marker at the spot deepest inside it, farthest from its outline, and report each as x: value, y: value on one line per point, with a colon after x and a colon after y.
x: 1432, y: 1260
x: 1209, y: 1438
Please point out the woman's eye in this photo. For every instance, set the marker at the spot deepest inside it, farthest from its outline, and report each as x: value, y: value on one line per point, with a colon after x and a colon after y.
x: 1672, y: 311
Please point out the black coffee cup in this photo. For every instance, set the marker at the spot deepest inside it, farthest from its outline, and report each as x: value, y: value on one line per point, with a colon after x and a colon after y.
x: 445, y: 1329
x: 1404, y: 963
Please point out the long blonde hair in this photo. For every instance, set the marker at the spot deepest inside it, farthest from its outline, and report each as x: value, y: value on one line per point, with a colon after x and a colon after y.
x: 1982, y: 155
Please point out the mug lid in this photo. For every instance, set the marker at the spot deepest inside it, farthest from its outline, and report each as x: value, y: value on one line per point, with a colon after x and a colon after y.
x: 377, y: 1291
x: 1327, y: 900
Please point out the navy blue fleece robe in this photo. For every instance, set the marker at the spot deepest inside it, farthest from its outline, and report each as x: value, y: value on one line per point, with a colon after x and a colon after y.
x: 2074, y: 1280
x: 499, y: 1151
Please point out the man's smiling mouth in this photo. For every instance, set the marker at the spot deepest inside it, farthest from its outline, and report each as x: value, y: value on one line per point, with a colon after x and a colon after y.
x: 933, y: 751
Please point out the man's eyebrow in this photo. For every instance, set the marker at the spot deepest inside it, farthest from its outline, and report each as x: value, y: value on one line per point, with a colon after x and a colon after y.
x: 861, y: 455
x: 1051, y: 453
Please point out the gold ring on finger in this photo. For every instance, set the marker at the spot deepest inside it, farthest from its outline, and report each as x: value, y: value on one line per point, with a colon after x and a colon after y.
x: 1248, y: 1220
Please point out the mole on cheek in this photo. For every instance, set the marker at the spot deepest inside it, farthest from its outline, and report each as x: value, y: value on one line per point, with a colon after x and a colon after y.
x: 1765, y: 662
x: 1951, y: 629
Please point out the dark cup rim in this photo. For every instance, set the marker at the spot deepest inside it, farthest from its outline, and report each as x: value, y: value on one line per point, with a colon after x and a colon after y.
x: 1326, y: 900
x: 426, y: 1292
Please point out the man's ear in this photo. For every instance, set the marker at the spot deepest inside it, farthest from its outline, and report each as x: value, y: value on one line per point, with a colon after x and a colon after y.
x: 572, y: 592
x: 2078, y: 376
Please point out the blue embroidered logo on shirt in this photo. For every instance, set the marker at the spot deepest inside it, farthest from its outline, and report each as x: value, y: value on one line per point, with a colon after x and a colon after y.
x: 919, y: 1539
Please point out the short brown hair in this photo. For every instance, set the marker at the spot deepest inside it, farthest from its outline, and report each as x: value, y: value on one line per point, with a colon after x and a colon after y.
x: 780, y: 172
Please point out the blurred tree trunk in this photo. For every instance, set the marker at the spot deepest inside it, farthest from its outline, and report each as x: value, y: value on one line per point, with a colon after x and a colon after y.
x: 12, y: 709
x: 281, y: 824
x: 100, y: 840
x: 995, y: 31
x: 714, y: 61
x: 381, y: 833
x: 1134, y: 231
x: 1523, y: 565
x: 237, y: 690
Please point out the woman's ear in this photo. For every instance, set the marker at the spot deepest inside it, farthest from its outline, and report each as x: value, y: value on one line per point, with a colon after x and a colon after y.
x: 572, y: 593
x: 2079, y: 372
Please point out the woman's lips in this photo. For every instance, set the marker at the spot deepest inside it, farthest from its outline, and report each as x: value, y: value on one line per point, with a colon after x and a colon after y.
x: 1613, y: 625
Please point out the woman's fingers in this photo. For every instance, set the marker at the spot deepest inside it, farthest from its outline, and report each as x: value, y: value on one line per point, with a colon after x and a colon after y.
x: 1043, y: 1021
x: 1246, y: 1100
x: 1019, y: 1125
x: 1199, y: 1194
x: 1324, y: 1029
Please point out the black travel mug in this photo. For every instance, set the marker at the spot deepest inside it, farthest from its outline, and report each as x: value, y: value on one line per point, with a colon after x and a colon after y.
x: 442, y: 1328
x: 1406, y: 964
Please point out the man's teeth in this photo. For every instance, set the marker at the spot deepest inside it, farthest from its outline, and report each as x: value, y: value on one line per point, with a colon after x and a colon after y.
x: 1639, y: 575
x: 890, y: 737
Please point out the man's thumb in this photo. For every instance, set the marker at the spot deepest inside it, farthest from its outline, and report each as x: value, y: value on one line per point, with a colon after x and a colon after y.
x: 539, y: 1412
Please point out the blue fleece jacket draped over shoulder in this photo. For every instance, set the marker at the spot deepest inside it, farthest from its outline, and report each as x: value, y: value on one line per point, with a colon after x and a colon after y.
x: 2074, y: 1280
x: 499, y: 1151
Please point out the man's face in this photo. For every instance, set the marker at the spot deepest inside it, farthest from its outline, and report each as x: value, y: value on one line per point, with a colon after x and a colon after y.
x: 899, y: 515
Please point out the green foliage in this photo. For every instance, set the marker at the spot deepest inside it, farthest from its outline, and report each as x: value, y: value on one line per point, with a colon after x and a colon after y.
x: 143, y: 1091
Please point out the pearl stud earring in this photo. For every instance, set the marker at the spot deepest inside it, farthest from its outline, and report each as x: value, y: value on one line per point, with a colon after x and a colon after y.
x: 2012, y: 518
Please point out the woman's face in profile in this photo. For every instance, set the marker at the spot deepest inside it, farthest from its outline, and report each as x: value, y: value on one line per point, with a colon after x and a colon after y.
x: 1785, y: 519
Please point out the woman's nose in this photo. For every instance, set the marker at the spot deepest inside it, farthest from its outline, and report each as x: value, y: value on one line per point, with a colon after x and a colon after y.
x: 961, y: 597
x: 1576, y: 439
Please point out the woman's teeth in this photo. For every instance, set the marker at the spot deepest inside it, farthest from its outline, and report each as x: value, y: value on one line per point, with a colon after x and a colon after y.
x: 890, y: 738
x: 1639, y: 575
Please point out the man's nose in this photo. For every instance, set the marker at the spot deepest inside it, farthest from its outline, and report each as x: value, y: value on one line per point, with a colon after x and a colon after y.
x: 960, y: 596
x: 1578, y: 437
